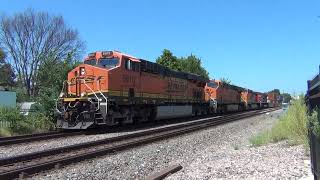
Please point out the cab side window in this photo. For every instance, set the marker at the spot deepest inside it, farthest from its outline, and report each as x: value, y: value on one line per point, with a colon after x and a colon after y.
x: 213, y: 84
x: 127, y: 64
x: 136, y: 66
x: 130, y: 65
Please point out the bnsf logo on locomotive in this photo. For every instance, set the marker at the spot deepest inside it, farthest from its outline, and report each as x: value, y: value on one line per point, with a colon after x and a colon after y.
x: 128, y: 79
x: 177, y: 85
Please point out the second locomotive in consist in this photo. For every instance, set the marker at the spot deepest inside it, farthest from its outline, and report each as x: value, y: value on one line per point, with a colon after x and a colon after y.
x: 112, y: 88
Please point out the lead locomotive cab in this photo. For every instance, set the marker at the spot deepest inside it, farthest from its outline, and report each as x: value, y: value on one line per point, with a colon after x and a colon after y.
x: 112, y: 88
x: 87, y: 98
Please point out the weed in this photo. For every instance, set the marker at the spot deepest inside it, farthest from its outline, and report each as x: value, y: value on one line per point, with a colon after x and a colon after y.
x: 292, y: 126
x: 236, y: 147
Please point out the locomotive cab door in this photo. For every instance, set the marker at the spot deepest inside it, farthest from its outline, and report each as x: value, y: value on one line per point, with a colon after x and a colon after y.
x: 131, y: 78
x: 131, y: 93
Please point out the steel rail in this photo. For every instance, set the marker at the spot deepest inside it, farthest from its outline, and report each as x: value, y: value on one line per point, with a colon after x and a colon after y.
x: 29, y: 156
x: 35, y: 137
x: 135, y: 140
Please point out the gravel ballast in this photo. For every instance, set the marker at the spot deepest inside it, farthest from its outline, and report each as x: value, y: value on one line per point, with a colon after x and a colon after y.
x: 17, y: 149
x: 29, y: 147
x: 221, y: 152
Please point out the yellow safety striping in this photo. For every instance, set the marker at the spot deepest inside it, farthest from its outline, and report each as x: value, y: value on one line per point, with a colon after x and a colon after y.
x: 74, y: 99
x: 138, y: 94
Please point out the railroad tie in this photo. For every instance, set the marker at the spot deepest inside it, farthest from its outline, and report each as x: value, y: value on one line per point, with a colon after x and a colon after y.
x: 164, y: 173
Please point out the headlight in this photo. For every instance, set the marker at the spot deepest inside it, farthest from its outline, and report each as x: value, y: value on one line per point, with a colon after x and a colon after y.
x: 82, y: 72
x: 83, y: 94
x: 61, y: 95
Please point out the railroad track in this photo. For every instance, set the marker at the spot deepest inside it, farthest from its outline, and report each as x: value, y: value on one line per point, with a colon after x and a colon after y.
x: 26, y: 164
x: 35, y: 137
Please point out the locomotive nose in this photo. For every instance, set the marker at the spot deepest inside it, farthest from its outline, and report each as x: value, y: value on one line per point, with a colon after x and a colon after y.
x: 87, y: 79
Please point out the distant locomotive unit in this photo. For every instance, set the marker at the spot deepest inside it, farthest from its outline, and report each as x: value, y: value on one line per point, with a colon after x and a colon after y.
x: 228, y: 98
x: 273, y: 99
x: 112, y: 88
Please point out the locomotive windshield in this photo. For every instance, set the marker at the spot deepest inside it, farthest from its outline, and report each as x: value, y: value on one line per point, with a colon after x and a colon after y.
x: 212, y: 84
x: 91, y: 62
x: 108, y: 62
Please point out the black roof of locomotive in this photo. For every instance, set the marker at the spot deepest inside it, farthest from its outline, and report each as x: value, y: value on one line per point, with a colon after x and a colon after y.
x: 156, y: 68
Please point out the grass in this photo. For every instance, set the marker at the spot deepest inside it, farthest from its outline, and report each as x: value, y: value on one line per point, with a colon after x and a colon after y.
x: 260, y: 139
x: 5, y: 131
x: 292, y: 126
x: 236, y: 147
x: 14, y: 123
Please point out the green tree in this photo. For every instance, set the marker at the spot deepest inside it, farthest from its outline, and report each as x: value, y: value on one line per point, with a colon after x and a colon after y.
x: 7, y: 75
x: 52, y: 74
x: 169, y: 60
x: 192, y: 64
x: 30, y: 38
x: 277, y: 91
x: 225, y: 81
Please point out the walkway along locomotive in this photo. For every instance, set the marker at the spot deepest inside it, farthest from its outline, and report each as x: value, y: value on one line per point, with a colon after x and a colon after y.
x: 112, y: 88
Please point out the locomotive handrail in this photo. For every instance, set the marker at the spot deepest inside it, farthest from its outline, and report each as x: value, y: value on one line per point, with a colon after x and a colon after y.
x: 98, y: 82
x: 84, y: 82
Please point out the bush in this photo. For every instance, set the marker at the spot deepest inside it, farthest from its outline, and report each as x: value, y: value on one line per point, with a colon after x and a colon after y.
x: 46, y: 102
x: 315, y: 122
x: 292, y: 126
x: 39, y: 122
x: 11, y: 115
x: 13, y: 122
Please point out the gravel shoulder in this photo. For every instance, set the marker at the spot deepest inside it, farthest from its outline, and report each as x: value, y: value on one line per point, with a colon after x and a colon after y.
x: 274, y: 161
x: 13, y: 150
x: 221, y: 152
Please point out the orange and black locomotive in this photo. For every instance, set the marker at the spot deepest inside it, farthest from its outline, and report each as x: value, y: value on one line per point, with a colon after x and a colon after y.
x: 112, y: 88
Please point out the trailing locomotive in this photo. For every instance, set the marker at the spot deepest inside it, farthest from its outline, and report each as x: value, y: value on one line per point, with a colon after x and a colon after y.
x: 226, y: 97
x: 112, y: 88
x: 229, y: 98
x: 273, y: 99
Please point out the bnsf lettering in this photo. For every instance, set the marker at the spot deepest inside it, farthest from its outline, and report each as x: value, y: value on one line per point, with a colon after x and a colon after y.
x: 177, y: 85
x: 128, y: 79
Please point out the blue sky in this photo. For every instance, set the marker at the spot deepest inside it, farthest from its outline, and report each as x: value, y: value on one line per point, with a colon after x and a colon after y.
x: 261, y: 44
